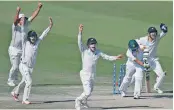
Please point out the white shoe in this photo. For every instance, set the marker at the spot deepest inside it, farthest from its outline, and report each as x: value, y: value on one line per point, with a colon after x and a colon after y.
x: 123, y: 94
x: 11, y: 83
x: 15, y: 96
x: 77, y: 104
x: 26, y: 102
x: 136, y: 97
x: 85, y: 104
x: 158, y: 90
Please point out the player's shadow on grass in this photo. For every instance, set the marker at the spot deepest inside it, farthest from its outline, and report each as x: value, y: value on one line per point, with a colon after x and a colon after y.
x: 59, y: 101
x: 161, y: 96
x: 56, y: 101
x: 128, y: 107
x: 169, y: 91
x: 155, y: 96
x: 38, y: 85
x: 136, y: 99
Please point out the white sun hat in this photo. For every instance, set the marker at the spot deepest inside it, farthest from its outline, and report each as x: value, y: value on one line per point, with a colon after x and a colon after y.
x: 21, y: 15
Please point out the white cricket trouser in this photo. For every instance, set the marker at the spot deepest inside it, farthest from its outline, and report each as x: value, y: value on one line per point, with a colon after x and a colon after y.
x: 130, y: 70
x: 26, y: 77
x: 15, y: 56
x: 87, y: 80
x: 156, y: 67
x: 132, y: 80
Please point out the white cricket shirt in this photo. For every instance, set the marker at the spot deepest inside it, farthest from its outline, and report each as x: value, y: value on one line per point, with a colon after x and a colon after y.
x: 16, y: 41
x: 151, y: 46
x: 29, y: 52
x: 89, y: 58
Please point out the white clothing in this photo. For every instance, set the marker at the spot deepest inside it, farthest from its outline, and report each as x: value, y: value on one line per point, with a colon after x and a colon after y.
x: 153, y: 59
x: 29, y: 54
x: 133, y: 68
x: 15, y: 48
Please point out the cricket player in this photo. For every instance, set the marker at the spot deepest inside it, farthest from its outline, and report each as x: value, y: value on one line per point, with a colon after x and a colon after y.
x: 134, y: 66
x: 15, y: 48
x: 29, y: 53
x: 89, y: 55
x: 150, y: 42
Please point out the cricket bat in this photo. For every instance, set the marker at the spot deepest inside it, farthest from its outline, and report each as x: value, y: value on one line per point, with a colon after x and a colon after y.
x: 147, y: 70
x: 147, y: 81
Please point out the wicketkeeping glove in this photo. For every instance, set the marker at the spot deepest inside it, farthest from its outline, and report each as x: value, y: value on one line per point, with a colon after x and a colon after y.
x: 163, y: 27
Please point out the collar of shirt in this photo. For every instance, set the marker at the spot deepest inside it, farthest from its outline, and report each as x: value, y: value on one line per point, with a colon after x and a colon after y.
x: 148, y: 42
x: 92, y: 53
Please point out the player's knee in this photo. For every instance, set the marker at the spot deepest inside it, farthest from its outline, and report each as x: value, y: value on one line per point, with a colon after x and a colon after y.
x: 29, y: 83
x: 15, y: 67
x: 162, y: 74
x: 91, y: 89
x: 88, y: 93
x: 127, y: 79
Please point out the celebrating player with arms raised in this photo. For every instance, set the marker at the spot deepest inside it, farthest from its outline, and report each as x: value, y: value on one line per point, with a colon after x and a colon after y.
x: 29, y: 53
x: 15, y: 48
x: 89, y: 55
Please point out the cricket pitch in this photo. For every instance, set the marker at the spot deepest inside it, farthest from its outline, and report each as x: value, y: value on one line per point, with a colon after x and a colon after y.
x: 62, y: 97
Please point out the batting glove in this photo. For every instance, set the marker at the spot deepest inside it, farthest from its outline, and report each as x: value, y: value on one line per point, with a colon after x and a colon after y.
x: 163, y: 27
x: 146, y: 65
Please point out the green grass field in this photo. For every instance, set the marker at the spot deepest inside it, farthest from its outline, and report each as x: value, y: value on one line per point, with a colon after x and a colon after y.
x: 112, y: 23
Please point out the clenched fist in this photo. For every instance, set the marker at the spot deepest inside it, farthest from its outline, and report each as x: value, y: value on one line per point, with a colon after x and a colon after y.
x: 51, y: 22
x: 80, y: 27
x: 18, y: 9
x: 40, y: 5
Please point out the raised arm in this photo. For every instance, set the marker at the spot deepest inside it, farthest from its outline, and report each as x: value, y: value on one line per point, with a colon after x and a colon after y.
x: 16, y: 18
x: 47, y: 30
x: 36, y: 12
x: 110, y: 58
x: 80, y: 44
x: 24, y: 38
x: 164, y: 30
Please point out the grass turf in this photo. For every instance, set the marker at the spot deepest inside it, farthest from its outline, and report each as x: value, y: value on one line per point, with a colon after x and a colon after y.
x: 112, y: 23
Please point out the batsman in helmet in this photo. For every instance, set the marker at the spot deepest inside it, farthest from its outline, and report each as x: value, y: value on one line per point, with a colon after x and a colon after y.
x: 89, y: 55
x: 134, y: 66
